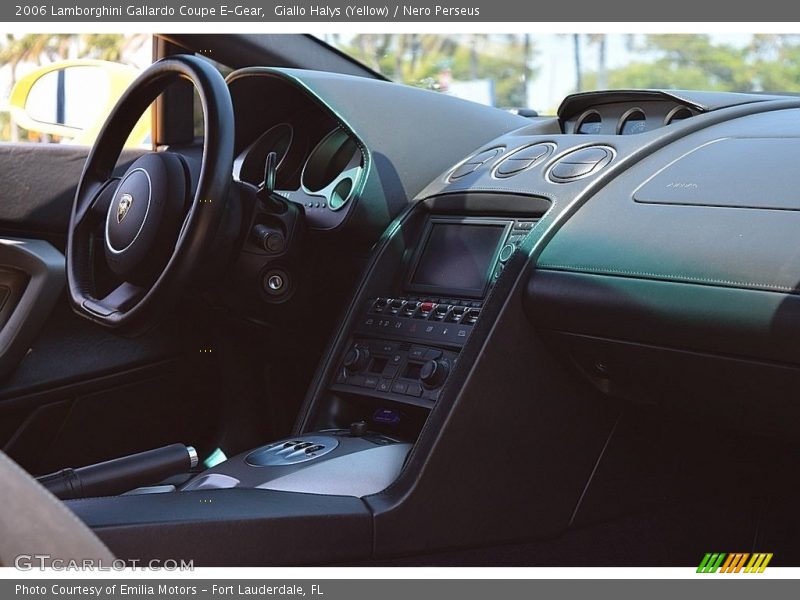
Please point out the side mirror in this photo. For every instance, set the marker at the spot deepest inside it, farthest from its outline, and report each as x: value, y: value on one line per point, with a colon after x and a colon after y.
x: 71, y: 99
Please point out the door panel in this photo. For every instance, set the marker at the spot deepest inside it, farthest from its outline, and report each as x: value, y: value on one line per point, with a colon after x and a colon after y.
x: 31, y: 280
x: 75, y: 393
x: 38, y: 187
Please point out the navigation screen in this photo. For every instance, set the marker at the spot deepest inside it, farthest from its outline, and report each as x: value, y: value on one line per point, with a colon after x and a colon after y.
x: 458, y: 257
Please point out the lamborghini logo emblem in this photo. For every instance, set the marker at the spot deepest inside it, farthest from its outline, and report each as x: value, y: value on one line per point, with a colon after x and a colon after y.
x: 124, y: 206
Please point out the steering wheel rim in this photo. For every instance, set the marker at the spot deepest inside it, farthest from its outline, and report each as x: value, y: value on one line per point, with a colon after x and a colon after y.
x: 132, y: 306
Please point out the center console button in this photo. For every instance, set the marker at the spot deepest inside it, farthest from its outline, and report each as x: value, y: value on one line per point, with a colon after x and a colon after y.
x: 471, y: 317
x: 380, y: 305
x: 455, y: 314
x: 506, y: 252
x: 396, y: 305
x: 356, y: 380
x: 383, y: 347
x: 439, y: 312
x: 434, y: 373
x: 414, y: 389
x: 400, y: 387
x: 432, y: 354
x: 356, y: 359
x: 417, y: 353
x: 371, y: 381
x: 385, y: 385
x: 409, y: 308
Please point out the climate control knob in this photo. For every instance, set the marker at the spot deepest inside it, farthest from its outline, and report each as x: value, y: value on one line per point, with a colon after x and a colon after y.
x: 434, y: 372
x: 356, y: 359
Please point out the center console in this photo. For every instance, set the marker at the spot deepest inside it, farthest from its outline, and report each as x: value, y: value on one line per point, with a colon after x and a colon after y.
x: 398, y: 348
x: 405, y: 342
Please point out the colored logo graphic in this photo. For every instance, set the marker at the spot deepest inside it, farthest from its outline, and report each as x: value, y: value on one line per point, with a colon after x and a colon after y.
x: 736, y: 562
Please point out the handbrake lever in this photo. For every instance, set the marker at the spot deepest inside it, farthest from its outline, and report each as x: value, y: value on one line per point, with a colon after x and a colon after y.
x: 122, y: 474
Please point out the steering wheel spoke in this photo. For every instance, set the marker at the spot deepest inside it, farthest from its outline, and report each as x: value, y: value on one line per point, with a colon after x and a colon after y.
x: 93, y: 209
x: 119, y: 300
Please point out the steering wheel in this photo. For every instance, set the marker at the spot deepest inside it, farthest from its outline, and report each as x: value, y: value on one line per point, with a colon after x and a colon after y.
x: 156, y: 234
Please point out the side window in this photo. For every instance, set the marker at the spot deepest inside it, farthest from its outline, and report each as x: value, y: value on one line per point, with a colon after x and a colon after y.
x: 59, y: 88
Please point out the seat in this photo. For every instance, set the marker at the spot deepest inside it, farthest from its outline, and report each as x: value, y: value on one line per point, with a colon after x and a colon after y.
x: 38, y: 527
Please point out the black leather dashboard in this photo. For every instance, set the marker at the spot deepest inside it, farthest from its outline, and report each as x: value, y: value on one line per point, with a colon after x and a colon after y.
x: 682, y: 242
x: 721, y: 253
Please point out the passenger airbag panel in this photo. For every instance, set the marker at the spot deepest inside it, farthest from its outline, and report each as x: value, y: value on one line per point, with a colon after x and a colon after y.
x: 733, y: 172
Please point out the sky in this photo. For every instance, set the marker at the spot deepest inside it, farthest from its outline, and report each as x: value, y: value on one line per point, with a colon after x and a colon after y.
x: 554, y: 60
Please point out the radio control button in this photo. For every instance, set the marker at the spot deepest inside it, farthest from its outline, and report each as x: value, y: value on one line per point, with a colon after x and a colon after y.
x: 439, y: 312
x: 434, y: 373
x: 380, y: 305
x: 455, y: 314
x: 396, y: 305
x: 409, y: 308
x: 471, y: 316
x: 356, y: 359
x: 506, y: 252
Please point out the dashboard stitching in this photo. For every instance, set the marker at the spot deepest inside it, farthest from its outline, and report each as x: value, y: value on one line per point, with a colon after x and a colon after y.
x: 580, y: 268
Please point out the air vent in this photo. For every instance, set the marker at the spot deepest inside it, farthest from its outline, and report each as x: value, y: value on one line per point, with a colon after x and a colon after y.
x: 580, y: 163
x: 474, y: 163
x: 290, y: 452
x: 523, y: 159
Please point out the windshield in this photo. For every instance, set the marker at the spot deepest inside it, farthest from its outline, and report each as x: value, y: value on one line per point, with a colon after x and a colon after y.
x: 536, y: 71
